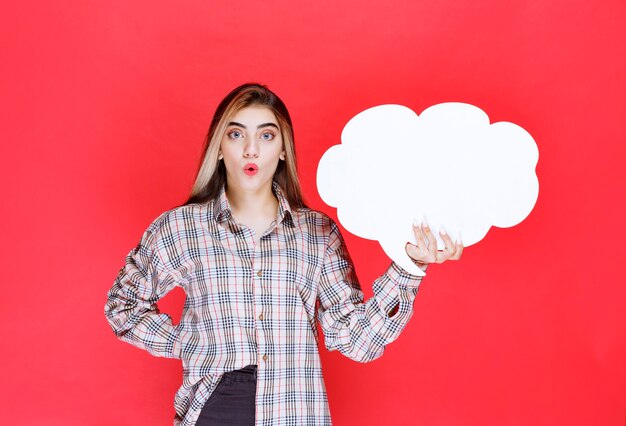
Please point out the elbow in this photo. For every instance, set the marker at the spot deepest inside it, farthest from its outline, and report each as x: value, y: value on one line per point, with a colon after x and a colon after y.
x: 367, y: 355
x: 118, y: 320
x: 358, y: 352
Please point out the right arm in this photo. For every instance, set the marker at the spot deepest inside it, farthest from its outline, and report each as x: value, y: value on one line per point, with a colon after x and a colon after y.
x: 131, y: 308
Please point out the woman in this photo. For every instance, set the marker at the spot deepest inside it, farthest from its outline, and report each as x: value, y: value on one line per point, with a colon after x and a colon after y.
x: 257, y: 267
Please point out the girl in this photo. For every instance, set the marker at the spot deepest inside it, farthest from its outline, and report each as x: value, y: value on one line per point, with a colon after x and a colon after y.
x: 259, y: 269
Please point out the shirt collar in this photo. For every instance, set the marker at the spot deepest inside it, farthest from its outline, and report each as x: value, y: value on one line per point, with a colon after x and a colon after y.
x: 284, y: 209
x: 221, y: 208
x: 222, y: 211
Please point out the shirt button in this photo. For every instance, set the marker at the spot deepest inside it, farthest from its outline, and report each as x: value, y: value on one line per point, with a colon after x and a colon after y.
x: 264, y: 357
x: 261, y: 317
x: 259, y: 273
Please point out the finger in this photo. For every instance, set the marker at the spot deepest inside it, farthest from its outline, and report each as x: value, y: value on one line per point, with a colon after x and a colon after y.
x: 453, y: 255
x: 450, y: 246
x: 459, y: 250
x: 419, y: 237
x: 432, y: 241
x: 415, y: 253
x: 418, y: 252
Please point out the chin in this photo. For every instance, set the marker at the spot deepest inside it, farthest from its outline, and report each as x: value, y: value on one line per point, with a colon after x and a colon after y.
x: 254, y: 184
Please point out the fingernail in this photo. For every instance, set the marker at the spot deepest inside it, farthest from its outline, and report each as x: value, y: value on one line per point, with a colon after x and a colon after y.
x: 415, y: 223
x: 443, y: 231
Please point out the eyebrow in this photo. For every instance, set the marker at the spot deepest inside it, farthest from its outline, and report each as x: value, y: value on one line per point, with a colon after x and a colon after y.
x: 260, y: 126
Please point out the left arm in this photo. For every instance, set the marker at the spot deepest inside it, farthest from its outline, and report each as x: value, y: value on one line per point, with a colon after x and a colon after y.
x: 361, y: 329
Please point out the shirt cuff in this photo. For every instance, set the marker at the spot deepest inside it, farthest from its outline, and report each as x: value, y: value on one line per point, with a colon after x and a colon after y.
x: 401, y: 277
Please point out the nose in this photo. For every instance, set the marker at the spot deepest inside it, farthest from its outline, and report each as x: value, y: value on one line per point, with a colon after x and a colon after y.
x: 251, y: 149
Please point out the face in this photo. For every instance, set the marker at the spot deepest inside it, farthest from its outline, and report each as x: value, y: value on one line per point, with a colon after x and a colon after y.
x: 251, y: 148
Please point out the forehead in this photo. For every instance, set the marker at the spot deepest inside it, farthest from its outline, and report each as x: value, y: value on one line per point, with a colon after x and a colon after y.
x: 254, y: 115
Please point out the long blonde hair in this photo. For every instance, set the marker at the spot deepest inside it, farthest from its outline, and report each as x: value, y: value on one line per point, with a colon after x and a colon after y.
x: 211, y: 175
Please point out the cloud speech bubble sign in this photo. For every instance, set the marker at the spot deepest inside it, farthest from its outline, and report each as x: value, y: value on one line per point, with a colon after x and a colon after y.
x: 448, y: 166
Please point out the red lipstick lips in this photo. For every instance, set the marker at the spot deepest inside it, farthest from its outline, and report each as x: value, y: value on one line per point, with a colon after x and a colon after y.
x: 250, y: 169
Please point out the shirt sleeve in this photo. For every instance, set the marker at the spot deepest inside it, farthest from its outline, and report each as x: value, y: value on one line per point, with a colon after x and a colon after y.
x: 361, y: 329
x: 131, y: 308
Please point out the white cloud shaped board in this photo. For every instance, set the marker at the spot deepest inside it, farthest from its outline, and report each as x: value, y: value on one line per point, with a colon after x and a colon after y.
x: 448, y: 166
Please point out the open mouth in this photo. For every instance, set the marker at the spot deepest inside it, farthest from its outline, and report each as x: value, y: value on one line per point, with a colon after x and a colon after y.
x: 250, y: 169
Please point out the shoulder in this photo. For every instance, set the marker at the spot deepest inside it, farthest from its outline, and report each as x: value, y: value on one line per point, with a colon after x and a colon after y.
x: 310, y: 216
x: 178, y: 219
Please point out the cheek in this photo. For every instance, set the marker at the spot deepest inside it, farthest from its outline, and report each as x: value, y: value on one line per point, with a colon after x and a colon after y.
x: 227, y: 152
x: 268, y: 150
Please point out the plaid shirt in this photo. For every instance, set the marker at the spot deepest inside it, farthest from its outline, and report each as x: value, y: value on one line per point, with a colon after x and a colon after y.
x: 253, y: 303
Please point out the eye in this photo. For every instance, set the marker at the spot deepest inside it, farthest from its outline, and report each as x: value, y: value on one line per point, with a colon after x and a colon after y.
x: 235, y: 134
x: 267, y: 136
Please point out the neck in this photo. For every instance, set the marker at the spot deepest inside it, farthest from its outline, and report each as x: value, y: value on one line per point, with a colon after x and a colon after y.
x: 244, y: 203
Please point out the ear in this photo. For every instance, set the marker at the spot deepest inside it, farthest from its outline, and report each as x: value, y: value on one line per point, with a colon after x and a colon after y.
x: 282, y: 155
x: 220, y: 156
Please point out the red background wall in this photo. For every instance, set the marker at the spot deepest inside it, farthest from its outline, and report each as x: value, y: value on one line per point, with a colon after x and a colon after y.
x: 104, y: 107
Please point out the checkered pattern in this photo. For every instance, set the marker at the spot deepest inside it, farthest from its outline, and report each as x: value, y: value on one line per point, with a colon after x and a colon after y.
x: 254, y: 304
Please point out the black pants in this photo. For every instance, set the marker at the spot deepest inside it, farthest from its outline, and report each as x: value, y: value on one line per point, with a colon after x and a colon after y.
x: 232, y: 402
